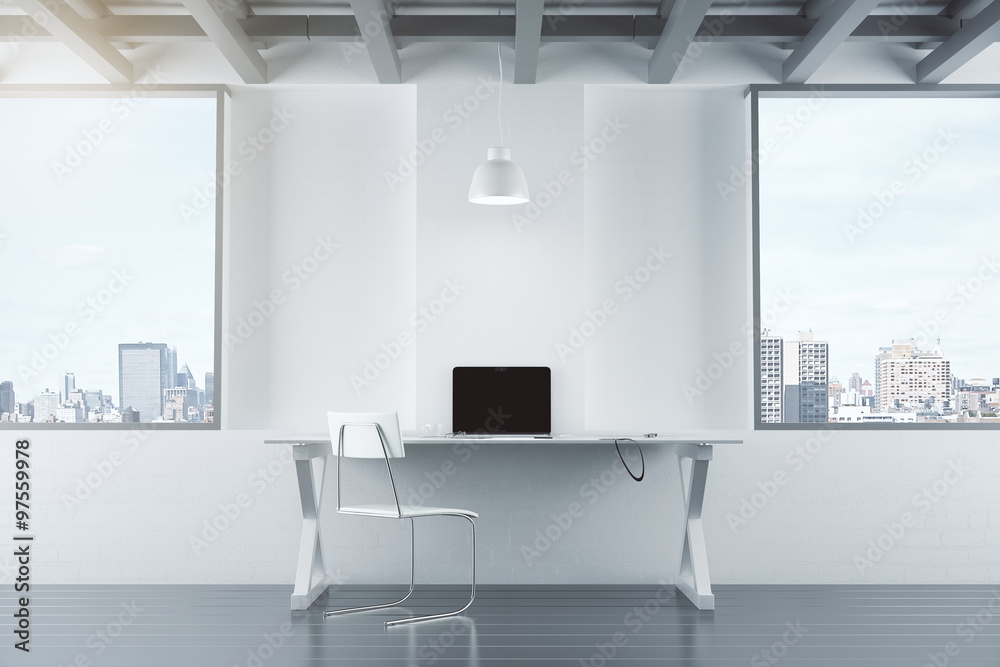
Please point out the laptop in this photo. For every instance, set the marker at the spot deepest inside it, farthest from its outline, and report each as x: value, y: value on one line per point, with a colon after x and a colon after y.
x: 502, y: 401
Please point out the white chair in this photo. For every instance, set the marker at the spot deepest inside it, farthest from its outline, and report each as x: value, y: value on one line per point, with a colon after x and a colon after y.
x: 374, y: 435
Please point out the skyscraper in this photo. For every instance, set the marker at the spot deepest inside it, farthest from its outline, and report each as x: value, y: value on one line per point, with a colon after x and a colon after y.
x: 185, y: 379
x: 7, y: 403
x: 909, y: 379
x: 171, y: 367
x: 68, y: 385
x: 209, y: 388
x: 46, y: 405
x: 142, y: 376
x: 806, y: 376
x: 770, y: 378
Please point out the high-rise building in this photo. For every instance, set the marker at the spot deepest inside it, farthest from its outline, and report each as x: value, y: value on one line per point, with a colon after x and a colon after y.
x: 770, y: 378
x: 7, y: 402
x: 185, y: 379
x: 171, y: 367
x: 909, y: 379
x: 835, y: 391
x: 46, y: 405
x: 95, y: 399
x: 854, y: 383
x: 68, y: 385
x: 143, y: 373
x: 177, y: 401
x: 209, y: 388
x: 806, y: 376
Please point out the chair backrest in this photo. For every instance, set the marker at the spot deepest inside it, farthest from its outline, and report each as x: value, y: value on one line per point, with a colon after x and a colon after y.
x: 361, y: 434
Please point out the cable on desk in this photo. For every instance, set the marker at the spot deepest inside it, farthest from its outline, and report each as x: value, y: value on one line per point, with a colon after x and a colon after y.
x: 641, y: 458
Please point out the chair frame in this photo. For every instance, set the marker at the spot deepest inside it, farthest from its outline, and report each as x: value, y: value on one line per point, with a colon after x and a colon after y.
x: 399, y: 515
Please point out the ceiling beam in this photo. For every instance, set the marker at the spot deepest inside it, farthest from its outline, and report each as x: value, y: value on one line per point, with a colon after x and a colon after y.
x: 374, y: 29
x: 89, y: 9
x: 682, y: 25
x: 81, y: 37
x: 835, y: 25
x: 964, y: 9
x: 223, y: 28
x: 527, y: 39
x: 814, y: 9
x: 646, y: 30
x: 970, y: 40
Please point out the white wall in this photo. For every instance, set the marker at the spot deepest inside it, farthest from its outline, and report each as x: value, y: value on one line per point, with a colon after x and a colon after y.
x: 654, y: 185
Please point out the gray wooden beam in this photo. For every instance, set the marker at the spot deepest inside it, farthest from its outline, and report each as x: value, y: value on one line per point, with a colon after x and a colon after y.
x: 970, y: 40
x: 682, y: 25
x: 223, y: 28
x: 527, y: 39
x: 81, y: 37
x: 835, y: 25
x: 373, y: 25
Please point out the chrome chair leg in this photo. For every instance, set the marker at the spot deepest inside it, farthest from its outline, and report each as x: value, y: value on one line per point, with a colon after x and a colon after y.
x: 334, y: 612
x: 471, y: 598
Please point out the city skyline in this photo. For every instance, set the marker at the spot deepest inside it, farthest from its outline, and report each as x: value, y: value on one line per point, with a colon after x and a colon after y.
x: 100, y: 252
x: 908, y: 383
x: 172, y: 381
x: 888, y: 235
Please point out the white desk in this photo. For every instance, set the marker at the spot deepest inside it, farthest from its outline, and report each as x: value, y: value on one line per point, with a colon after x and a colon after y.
x: 311, y: 578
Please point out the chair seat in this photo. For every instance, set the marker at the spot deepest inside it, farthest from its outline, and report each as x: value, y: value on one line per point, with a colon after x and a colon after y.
x: 406, y: 510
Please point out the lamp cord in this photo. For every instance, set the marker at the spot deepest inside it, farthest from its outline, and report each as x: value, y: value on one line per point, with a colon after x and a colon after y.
x: 500, y: 96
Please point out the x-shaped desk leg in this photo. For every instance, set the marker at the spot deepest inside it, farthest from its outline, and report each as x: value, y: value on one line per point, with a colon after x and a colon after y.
x: 694, y: 579
x: 311, y: 579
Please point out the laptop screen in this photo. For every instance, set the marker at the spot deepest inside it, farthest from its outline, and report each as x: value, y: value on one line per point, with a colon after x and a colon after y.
x: 502, y: 400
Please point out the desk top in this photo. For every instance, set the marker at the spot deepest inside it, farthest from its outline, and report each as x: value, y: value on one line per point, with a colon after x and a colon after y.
x: 324, y: 439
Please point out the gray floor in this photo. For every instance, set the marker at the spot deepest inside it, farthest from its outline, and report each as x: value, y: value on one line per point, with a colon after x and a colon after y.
x: 594, y: 626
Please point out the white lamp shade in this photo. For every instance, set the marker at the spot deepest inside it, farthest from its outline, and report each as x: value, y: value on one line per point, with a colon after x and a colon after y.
x: 498, y: 180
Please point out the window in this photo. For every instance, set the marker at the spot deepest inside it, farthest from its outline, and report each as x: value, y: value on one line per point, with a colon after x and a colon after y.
x: 109, y: 256
x: 875, y: 227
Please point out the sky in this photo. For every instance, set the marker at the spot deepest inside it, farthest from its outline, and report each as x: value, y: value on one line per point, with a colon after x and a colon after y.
x: 882, y: 217
x: 92, y: 192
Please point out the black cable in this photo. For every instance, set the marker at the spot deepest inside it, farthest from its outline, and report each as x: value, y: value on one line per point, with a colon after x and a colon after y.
x: 641, y: 458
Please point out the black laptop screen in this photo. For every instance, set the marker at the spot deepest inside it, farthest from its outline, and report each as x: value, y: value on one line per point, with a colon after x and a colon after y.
x: 507, y: 399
